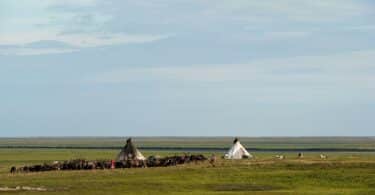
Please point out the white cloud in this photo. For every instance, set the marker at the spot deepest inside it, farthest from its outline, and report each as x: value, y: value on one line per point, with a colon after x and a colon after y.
x: 34, y: 51
x: 46, y: 3
x: 296, y: 10
x: 351, y: 69
x: 52, y: 20
x: 278, y: 35
x: 364, y: 28
x: 84, y: 23
x: 272, y: 13
x: 104, y: 39
x: 77, y: 41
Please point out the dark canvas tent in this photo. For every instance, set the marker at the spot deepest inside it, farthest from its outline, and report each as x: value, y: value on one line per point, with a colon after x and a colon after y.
x: 130, y: 152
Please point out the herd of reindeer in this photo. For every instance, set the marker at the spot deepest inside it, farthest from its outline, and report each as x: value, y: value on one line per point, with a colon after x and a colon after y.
x: 81, y: 164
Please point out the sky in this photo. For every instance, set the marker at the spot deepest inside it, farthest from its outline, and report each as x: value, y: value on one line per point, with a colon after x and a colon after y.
x: 187, y: 68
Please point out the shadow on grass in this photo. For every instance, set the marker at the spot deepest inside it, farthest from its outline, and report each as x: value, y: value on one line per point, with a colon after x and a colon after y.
x: 243, y: 187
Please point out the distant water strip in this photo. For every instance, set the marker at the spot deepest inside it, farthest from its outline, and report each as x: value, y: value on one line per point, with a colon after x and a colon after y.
x: 196, y: 149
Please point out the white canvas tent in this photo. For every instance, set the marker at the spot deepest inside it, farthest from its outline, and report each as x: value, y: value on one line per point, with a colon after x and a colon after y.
x: 130, y: 152
x: 237, y: 151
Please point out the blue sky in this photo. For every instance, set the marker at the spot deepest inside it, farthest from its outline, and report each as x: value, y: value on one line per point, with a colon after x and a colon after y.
x: 187, y: 68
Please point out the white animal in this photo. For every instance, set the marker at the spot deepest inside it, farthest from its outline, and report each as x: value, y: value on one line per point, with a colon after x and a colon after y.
x: 322, y: 156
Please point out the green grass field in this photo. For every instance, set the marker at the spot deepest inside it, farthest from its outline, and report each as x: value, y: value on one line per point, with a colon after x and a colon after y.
x: 341, y: 173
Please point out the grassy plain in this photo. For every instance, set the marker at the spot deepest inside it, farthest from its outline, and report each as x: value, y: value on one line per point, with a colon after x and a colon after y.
x: 341, y: 173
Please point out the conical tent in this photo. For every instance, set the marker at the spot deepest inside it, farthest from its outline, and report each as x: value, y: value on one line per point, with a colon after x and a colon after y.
x: 130, y: 152
x: 237, y: 151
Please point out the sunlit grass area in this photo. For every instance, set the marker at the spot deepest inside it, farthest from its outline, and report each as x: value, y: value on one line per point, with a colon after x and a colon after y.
x: 341, y: 173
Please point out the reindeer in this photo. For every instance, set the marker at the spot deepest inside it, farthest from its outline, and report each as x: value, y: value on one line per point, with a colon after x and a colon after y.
x: 13, y: 169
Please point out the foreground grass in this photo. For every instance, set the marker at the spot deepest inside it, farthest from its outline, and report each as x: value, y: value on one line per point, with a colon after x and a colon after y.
x: 342, y: 173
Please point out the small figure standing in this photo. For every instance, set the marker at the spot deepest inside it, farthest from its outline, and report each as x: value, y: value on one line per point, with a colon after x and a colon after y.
x: 213, y: 160
x: 113, y: 164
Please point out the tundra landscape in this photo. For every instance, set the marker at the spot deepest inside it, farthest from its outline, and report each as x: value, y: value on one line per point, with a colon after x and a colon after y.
x: 191, y: 97
x: 342, y: 172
